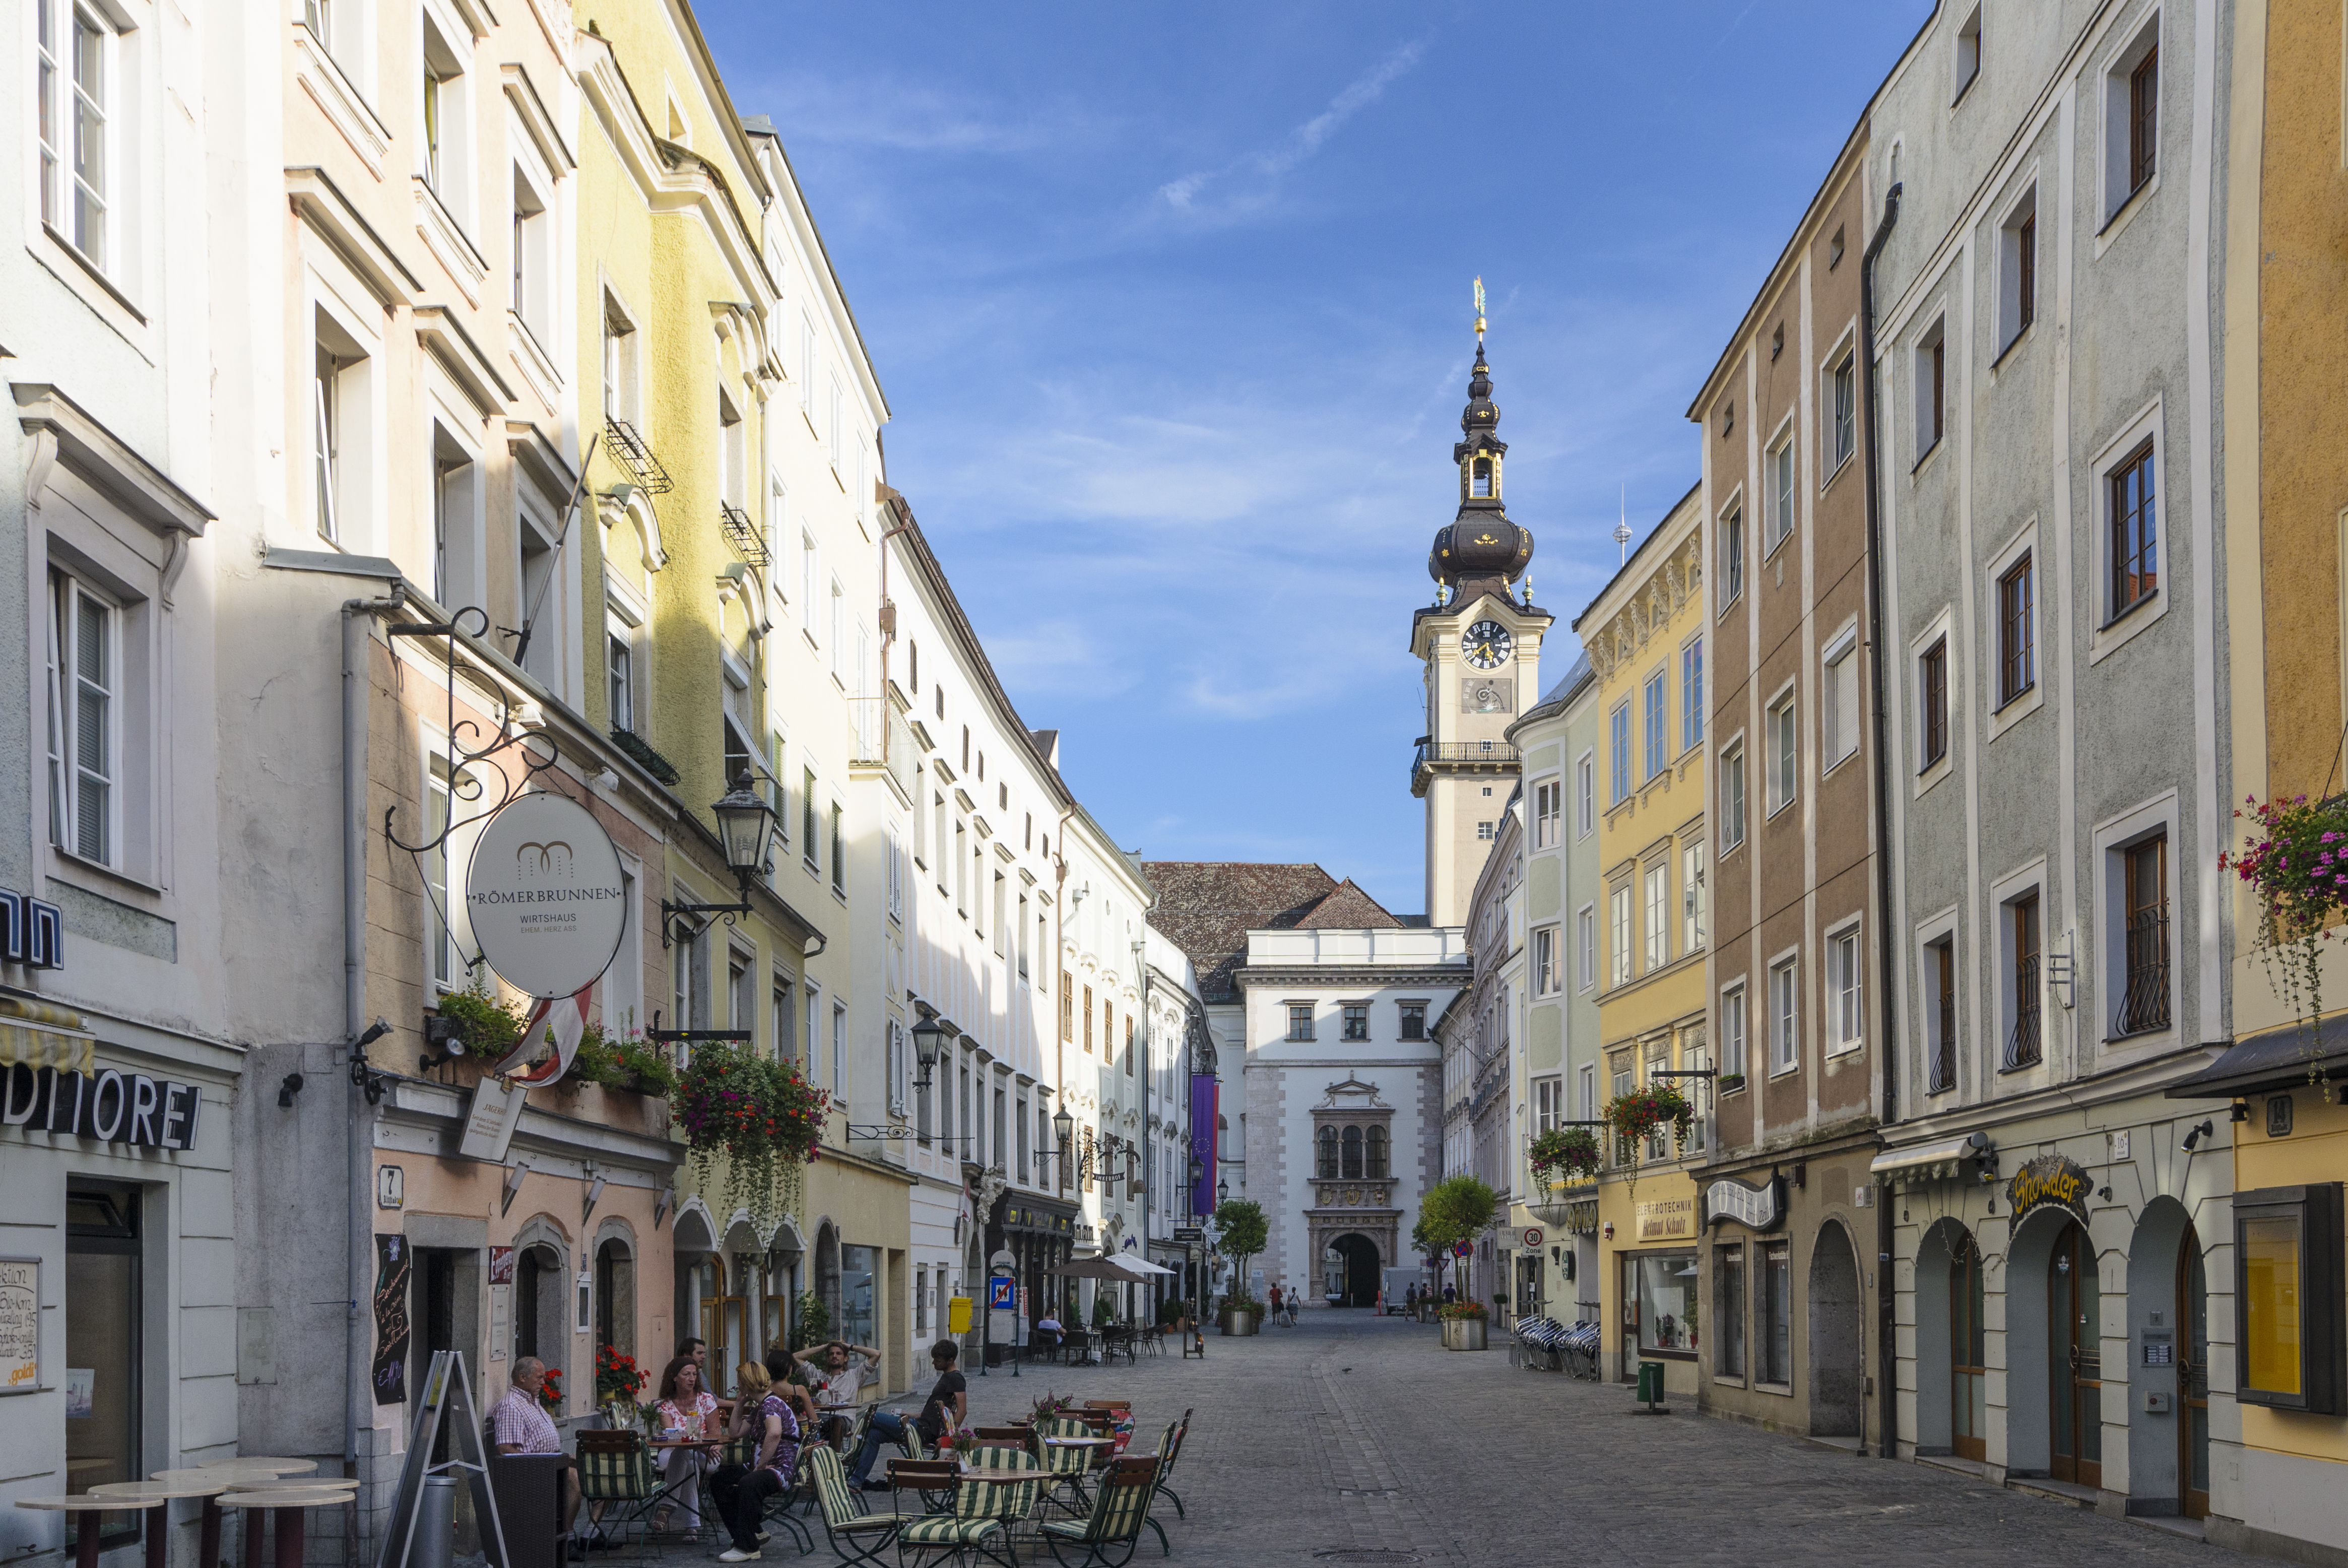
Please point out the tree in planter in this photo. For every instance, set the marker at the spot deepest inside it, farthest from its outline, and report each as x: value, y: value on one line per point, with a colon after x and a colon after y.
x: 1455, y: 1210
x: 1243, y: 1234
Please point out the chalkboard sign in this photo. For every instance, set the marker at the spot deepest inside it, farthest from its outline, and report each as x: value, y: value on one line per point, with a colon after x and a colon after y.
x: 20, y: 1324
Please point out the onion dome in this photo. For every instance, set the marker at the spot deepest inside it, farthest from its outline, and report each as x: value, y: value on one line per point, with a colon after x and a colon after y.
x: 1480, y: 550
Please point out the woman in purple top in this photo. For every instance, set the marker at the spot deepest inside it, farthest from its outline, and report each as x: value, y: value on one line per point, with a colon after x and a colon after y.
x: 777, y: 1460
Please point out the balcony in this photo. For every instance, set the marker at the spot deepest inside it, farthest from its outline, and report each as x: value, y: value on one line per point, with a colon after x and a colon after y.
x: 883, y: 740
x: 743, y: 534
x: 1433, y: 757
x: 629, y: 449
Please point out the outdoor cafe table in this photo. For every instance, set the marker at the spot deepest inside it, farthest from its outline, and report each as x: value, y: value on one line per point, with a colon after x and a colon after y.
x: 285, y: 1506
x: 158, y: 1494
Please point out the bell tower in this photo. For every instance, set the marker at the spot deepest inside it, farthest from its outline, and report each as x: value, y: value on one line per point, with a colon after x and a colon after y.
x: 1480, y: 644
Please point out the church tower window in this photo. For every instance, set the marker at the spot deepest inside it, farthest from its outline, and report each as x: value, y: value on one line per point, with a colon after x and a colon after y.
x: 1479, y: 479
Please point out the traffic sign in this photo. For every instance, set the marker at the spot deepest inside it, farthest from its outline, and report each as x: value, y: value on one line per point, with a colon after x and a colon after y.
x: 1533, y: 1236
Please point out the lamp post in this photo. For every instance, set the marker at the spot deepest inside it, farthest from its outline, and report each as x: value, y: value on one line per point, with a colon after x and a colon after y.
x: 746, y: 827
x: 929, y: 1040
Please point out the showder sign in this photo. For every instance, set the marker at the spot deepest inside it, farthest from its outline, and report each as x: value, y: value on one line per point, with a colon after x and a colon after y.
x: 545, y: 895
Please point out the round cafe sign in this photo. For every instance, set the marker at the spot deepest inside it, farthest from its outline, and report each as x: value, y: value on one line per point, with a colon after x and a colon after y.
x: 545, y: 895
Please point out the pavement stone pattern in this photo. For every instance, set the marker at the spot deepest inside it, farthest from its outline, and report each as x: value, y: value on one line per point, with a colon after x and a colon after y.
x: 1358, y: 1439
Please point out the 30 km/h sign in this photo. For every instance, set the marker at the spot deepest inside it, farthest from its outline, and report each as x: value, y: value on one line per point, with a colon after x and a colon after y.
x: 545, y: 895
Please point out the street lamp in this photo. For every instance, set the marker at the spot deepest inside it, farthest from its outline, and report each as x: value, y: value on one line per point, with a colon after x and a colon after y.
x: 746, y: 825
x: 1223, y: 1192
x: 928, y: 1040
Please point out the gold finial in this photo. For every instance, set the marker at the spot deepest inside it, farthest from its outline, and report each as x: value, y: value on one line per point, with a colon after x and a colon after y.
x: 1479, y: 310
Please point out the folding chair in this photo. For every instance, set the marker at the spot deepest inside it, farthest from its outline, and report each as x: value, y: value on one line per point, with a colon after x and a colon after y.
x: 1169, y: 1449
x: 979, y: 1522
x: 1065, y: 1467
x: 847, y: 1524
x: 615, y: 1469
x: 1114, y: 1528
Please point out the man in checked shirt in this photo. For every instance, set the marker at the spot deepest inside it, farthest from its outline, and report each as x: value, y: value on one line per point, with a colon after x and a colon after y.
x: 523, y: 1427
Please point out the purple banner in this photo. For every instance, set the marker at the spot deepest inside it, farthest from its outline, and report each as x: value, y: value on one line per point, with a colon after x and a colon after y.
x: 1204, y: 1103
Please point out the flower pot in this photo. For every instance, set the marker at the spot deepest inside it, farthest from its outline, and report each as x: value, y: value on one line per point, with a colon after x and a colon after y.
x: 1240, y: 1324
x: 1463, y: 1333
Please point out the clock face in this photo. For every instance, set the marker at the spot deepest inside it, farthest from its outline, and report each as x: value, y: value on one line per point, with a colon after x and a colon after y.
x: 1486, y: 645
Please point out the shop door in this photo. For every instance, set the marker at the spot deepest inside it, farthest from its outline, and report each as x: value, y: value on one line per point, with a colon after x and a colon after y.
x: 2074, y: 1335
x: 105, y: 1305
x: 1968, y: 1353
x: 2192, y: 1382
x: 432, y: 1283
x: 723, y: 1324
x: 1529, y: 1284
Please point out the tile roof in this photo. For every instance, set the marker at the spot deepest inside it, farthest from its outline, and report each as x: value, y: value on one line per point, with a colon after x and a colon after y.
x: 1207, y: 908
x: 1347, y: 908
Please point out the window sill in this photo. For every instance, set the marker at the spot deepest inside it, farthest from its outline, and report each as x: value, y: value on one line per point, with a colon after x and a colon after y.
x: 2126, y: 625
x: 2121, y: 214
x: 1964, y: 89
x: 1925, y: 457
x: 1842, y: 465
x: 1728, y: 1381
x: 1784, y: 1072
x: 2023, y: 695
x: 1929, y: 776
x: 120, y: 882
x: 1835, y: 1053
x: 2128, y: 610
x: 1787, y: 1389
x: 1730, y: 603
x: 1769, y: 552
x: 2011, y: 343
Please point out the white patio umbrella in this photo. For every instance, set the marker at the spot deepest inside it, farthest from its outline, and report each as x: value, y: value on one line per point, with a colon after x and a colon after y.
x: 1140, y: 1267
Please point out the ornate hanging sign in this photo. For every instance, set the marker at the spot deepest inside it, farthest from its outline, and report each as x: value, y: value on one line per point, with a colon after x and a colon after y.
x: 2054, y: 1178
x: 545, y: 894
x: 1758, y: 1208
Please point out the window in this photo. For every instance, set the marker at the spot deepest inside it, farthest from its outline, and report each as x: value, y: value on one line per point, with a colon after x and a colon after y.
x: 1484, y: 831
x: 783, y: 1020
x: 1662, y: 1289
x: 443, y: 151
x: 2144, y: 991
x: 1299, y: 1020
x: 838, y: 1056
x: 1413, y: 1020
x: 1732, y: 797
x: 1940, y: 1022
x: 2017, y: 643
x: 1932, y: 383
x: 532, y: 257
x: 1732, y: 557
x: 74, y: 67
x: 2022, y: 1042
x: 2135, y: 530
x: 1619, y: 1077
x: 545, y: 599
x: 1842, y: 395
x: 1089, y: 1019
x: 1068, y: 1008
x: 1777, y: 466
x: 1728, y: 1311
x: 103, y: 1328
x: 2017, y: 270
x: 1692, y: 694
x: 1932, y: 704
x: 1658, y: 728
x: 1839, y: 701
x: 1618, y: 740
x: 1585, y: 945
x: 2144, y: 120
x: 808, y: 848
x: 1546, y: 810
x: 439, y: 941
x: 2287, y: 1277
x: 1356, y: 1021
x: 457, y: 554
x: 1325, y: 1154
x: 1773, y: 1316
x: 1785, y: 749
x: 1658, y: 942
x: 1618, y: 917
x: 1845, y: 980
x: 1586, y: 792
x: 1785, y: 1041
x: 1545, y: 975
x: 1691, y: 897
x: 1350, y: 1142
x: 85, y: 721
x: 1969, y: 42
x: 689, y: 967
x: 1731, y: 1030
x: 838, y: 851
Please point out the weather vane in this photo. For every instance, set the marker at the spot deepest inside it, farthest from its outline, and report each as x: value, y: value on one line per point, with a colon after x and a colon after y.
x: 1479, y: 310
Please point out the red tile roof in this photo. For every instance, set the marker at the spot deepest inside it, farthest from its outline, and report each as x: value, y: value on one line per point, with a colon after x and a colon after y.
x: 1207, y: 908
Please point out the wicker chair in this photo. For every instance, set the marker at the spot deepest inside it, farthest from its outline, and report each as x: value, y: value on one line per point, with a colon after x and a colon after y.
x: 856, y: 1535
x: 1107, y: 1538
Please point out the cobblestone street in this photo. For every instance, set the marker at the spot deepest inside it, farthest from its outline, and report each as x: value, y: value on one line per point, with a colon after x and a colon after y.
x: 1358, y: 1439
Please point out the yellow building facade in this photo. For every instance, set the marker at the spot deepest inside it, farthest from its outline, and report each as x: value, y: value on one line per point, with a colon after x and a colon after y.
x: 1645, y: 636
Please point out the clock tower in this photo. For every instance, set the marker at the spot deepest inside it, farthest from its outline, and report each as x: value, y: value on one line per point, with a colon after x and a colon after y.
x: 1481, y: 646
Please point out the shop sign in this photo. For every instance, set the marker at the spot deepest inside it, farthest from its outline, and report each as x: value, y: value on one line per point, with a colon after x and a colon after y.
x: 2054, y: 1178
x: 109, y: 1106
x: 31, y: 932
x: 546, y: 895
x: 20, y: 1324
x: 1664, y: 1220
x: 1761, y: 1208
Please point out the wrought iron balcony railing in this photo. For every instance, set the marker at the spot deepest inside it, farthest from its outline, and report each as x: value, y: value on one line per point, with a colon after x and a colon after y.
x: 743, y: 535
x: 2144, y: 993
x: 2022, y: 1046
x: 628, y: 449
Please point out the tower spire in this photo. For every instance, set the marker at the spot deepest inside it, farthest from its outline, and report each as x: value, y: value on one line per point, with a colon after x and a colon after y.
x: 1480, y: 550
x: 1479, y: 315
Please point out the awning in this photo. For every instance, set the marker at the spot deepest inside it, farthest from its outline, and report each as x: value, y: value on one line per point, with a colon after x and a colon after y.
x: 2277, y: 1058
x: 1929, y: 1159
x: 42, y: 1035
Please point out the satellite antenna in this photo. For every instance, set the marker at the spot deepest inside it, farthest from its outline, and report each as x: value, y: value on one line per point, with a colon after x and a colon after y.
x: 1622, y: 529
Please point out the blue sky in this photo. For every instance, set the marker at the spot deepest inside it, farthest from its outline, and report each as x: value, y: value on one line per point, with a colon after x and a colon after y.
x: 1171, y: 304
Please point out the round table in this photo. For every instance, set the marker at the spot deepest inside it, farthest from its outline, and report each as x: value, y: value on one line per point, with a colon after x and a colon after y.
x: 90, y: 1506
x: 283, y: 1506
x: 158, y: 1494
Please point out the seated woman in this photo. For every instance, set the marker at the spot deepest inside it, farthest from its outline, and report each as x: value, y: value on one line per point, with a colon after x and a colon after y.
x: 684, y: 1410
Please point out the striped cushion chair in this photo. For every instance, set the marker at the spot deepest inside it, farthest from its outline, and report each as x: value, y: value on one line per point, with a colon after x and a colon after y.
x: 615, y: 1471
x: 1108, y: 1538
x: 978, y: 1525
x: 1066, y: 1467
x: 1003, y: 1459
x: 856, y: 1535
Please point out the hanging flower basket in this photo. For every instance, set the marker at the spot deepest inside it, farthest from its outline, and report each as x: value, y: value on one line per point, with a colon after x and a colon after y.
x: 2297, y: 859
x: 757, y: 1115
x: 1567, y: 1153
x: 622, y: 1061
x: 1635, y: 1116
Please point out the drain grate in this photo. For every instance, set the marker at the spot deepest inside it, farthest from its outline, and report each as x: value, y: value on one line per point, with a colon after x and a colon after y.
x: 1362, y: 1555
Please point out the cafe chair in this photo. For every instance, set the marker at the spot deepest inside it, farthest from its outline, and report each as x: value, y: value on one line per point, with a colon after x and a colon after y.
x: 615, y: 1469
x: 1107, y: 1538
x: 978, y: 1525
x: 857, y: 1535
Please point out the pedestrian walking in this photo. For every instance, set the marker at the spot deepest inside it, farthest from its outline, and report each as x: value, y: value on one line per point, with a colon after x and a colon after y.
x: 1275, y: 1301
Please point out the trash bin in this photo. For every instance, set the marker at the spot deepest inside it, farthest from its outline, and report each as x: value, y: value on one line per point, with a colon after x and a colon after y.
x: 1651, y: 1382
x: 436, y: 1523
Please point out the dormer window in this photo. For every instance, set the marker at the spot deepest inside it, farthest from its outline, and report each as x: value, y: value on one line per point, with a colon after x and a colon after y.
x: 1480, y: 479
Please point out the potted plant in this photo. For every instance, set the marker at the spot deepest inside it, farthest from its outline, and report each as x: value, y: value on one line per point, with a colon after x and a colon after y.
x: 759, y: 1116
x: 1465, y: 1325
x: 618, y: 1381
x: 1729, y: 1083
x: 489, y: 1028
x: 1563, y: 1156
x: 1636, y: 1116
x: 2296, y: 858
x: 622, y: 1061
x: 1242, y: 1314
x: 549, y: 1392
x: 1243, y: 1233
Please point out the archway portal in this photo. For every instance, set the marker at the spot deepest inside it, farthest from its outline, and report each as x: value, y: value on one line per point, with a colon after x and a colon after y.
x: 1356, y: 1271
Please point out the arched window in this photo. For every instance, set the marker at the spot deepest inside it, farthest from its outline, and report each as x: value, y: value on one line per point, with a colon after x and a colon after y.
x: 1480, y: 479
x: 1328, y: 1165
x: 1353, y: 1153
x: 1374, y: 1153
x: 615, y: 1298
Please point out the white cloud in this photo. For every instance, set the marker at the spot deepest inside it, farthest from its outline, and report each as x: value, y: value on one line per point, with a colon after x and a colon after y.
x: 1252, y: 181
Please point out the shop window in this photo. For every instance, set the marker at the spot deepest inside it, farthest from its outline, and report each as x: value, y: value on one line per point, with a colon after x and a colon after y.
x: 859, y: 1277
x: 2287, y: 1264
x: 1728, y: 1305
x: 105, y: 1301
x: 1663, y: 1291
x: 1773, y: 1308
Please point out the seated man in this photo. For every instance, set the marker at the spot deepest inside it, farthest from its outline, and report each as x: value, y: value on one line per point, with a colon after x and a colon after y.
x: 841, y: 1374
x: 523, y: 1427
x: 1047, y: 1333
x: 948, y: 1404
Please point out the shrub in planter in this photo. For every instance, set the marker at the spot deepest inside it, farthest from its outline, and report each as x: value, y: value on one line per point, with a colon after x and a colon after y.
x: 489, y: 1028
x: 624, y: 1061
x: 1729, y: 1083
x: 1456, y: 1309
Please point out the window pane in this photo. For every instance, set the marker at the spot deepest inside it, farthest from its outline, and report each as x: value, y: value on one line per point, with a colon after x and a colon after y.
x: 1728, y: 1292
x: 1667, y: 1301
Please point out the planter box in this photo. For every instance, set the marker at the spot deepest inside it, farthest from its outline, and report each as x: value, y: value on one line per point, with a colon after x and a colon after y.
x: 1463, y: 1333
x: 1241, y: 1324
